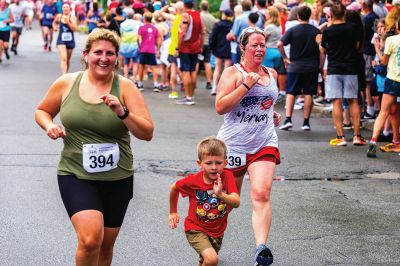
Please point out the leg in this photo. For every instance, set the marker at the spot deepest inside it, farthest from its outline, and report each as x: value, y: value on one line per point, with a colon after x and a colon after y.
x: 89, y: 228
x: 207, y: 68
x: 387, y: 101
x: 210, y: 257
x: 289, y: 104
x: 155, y: 73
x: 106, y: 250
x: 186, y: 82
x: 217, y: 71
x: 63, y: 58
x: 355, y: 114
x: 193, y: 80
x: 337, y: 116
x: 394, y: 119
x: 261, y: 174
x: 308, y: 105
x: 69, y: 54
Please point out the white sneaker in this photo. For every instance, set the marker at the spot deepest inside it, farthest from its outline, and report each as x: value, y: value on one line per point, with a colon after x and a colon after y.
x: 286, y: 126
x: 214, y: 91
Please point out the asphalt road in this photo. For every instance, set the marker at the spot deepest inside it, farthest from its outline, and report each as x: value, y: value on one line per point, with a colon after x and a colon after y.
x: 334, y: 207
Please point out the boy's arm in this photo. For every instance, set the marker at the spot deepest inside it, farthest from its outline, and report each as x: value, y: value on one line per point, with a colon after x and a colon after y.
x: 173, y: 218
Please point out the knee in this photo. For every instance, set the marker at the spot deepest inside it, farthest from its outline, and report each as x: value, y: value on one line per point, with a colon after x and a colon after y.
x: 261, y: 194
x: 90, y: 244
x: 210, y: 260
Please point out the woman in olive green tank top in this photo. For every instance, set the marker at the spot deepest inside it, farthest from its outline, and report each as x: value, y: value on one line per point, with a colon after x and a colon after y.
x: 98, y: 108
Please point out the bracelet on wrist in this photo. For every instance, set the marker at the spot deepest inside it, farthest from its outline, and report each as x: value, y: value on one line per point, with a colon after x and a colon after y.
x: 246, y: 86
x: 126, y: 113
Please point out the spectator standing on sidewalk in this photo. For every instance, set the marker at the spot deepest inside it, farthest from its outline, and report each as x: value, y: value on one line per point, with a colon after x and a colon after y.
x: 190, y: 45
x: 302, y: 67
x: 149, y: 41
x: 340, y: 43
x: 369, y: 20
x: 390, y: 57
x: 220, y: 46
x: 209, y: 22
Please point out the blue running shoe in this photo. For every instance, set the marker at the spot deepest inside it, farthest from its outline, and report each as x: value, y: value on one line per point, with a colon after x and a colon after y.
x: 263, y: 256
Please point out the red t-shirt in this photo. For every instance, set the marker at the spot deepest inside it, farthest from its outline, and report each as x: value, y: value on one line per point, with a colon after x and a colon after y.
x: 206, y: 213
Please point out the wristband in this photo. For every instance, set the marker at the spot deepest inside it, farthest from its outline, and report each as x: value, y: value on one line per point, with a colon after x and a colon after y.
x: 126, y: 113
x: 246, y: 86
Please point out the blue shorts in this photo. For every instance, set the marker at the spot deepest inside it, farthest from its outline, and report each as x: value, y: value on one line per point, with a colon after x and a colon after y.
x: 392, y: 87
x: 302, y: 83
x: 188, y: 62
x: 272, y: 58
x: 147, y: 59
x: 70, y: 44
x: 172, y: 59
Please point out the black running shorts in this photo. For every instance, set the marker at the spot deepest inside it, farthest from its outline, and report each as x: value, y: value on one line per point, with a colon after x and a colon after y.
x: 111, y: 198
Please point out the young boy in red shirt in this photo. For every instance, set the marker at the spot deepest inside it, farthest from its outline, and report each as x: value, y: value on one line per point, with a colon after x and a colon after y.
x: 212, y: 195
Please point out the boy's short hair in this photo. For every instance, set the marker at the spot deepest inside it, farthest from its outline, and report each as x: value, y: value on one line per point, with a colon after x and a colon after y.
x: 211, y: 146
x: 304, y: 13
x: 253, y: 17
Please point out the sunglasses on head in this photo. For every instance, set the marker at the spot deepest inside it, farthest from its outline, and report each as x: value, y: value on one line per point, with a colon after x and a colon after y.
x: 248, y: 31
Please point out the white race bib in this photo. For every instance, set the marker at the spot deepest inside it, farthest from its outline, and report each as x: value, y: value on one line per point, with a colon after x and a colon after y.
x: 101, y: 157
x: 66, y: 36
x: 235, y: 160
x: 49, y: 16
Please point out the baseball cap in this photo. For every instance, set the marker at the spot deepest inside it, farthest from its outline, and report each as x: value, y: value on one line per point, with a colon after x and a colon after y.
x: 228, y: 13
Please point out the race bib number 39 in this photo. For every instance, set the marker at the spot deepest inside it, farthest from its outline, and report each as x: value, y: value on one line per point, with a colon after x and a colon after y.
x: 101, y: 157
x: 235, y: 160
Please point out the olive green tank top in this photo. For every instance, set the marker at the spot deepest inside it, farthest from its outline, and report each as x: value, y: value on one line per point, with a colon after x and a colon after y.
x: 87, y: 123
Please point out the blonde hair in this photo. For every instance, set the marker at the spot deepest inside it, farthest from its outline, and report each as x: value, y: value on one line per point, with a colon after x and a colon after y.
x: 101, y: 34
x: 211, y: 146
x: 273, y: 16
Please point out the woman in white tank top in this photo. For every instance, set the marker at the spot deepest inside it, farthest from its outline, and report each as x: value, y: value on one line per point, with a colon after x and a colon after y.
x: 245, y: 96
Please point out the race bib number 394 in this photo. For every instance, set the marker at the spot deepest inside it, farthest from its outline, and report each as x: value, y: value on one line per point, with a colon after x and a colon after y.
x: 236, y: 160
x: 100, y: 157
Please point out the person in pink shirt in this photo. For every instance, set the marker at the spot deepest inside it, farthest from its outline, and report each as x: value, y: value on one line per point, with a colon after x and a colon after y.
x: 149, y: 48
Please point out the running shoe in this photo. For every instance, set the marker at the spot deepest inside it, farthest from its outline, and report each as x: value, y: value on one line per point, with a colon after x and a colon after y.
x: 45, y: 46
x: 208, y: 86
x: 347, y: 126
x: 384, y: 138
x: 298, y: 106
x: 214, y: 91
x: 49, y: 48
x: 286, y: 125
x: 263, y: 256
x: 359, y: 140
x: 371, y: 153
x: 338, y: 142
x: 139, y: 85
x: 173, y: 95
x: 157, y: 88
x: 306, y: 127
x: 391, y: 147
x: 184, y: 101
x: 365, y: 116
x: 7, y: 54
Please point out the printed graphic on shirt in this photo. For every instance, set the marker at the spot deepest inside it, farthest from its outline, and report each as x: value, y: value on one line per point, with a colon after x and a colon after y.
x: 209, y: 206
x: 251, y: 104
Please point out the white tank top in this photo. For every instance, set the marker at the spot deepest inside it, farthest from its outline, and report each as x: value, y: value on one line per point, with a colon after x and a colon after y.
x: 249, y: 126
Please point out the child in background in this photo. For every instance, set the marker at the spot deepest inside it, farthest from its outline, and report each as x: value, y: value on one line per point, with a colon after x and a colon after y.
x: 212, y: 195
